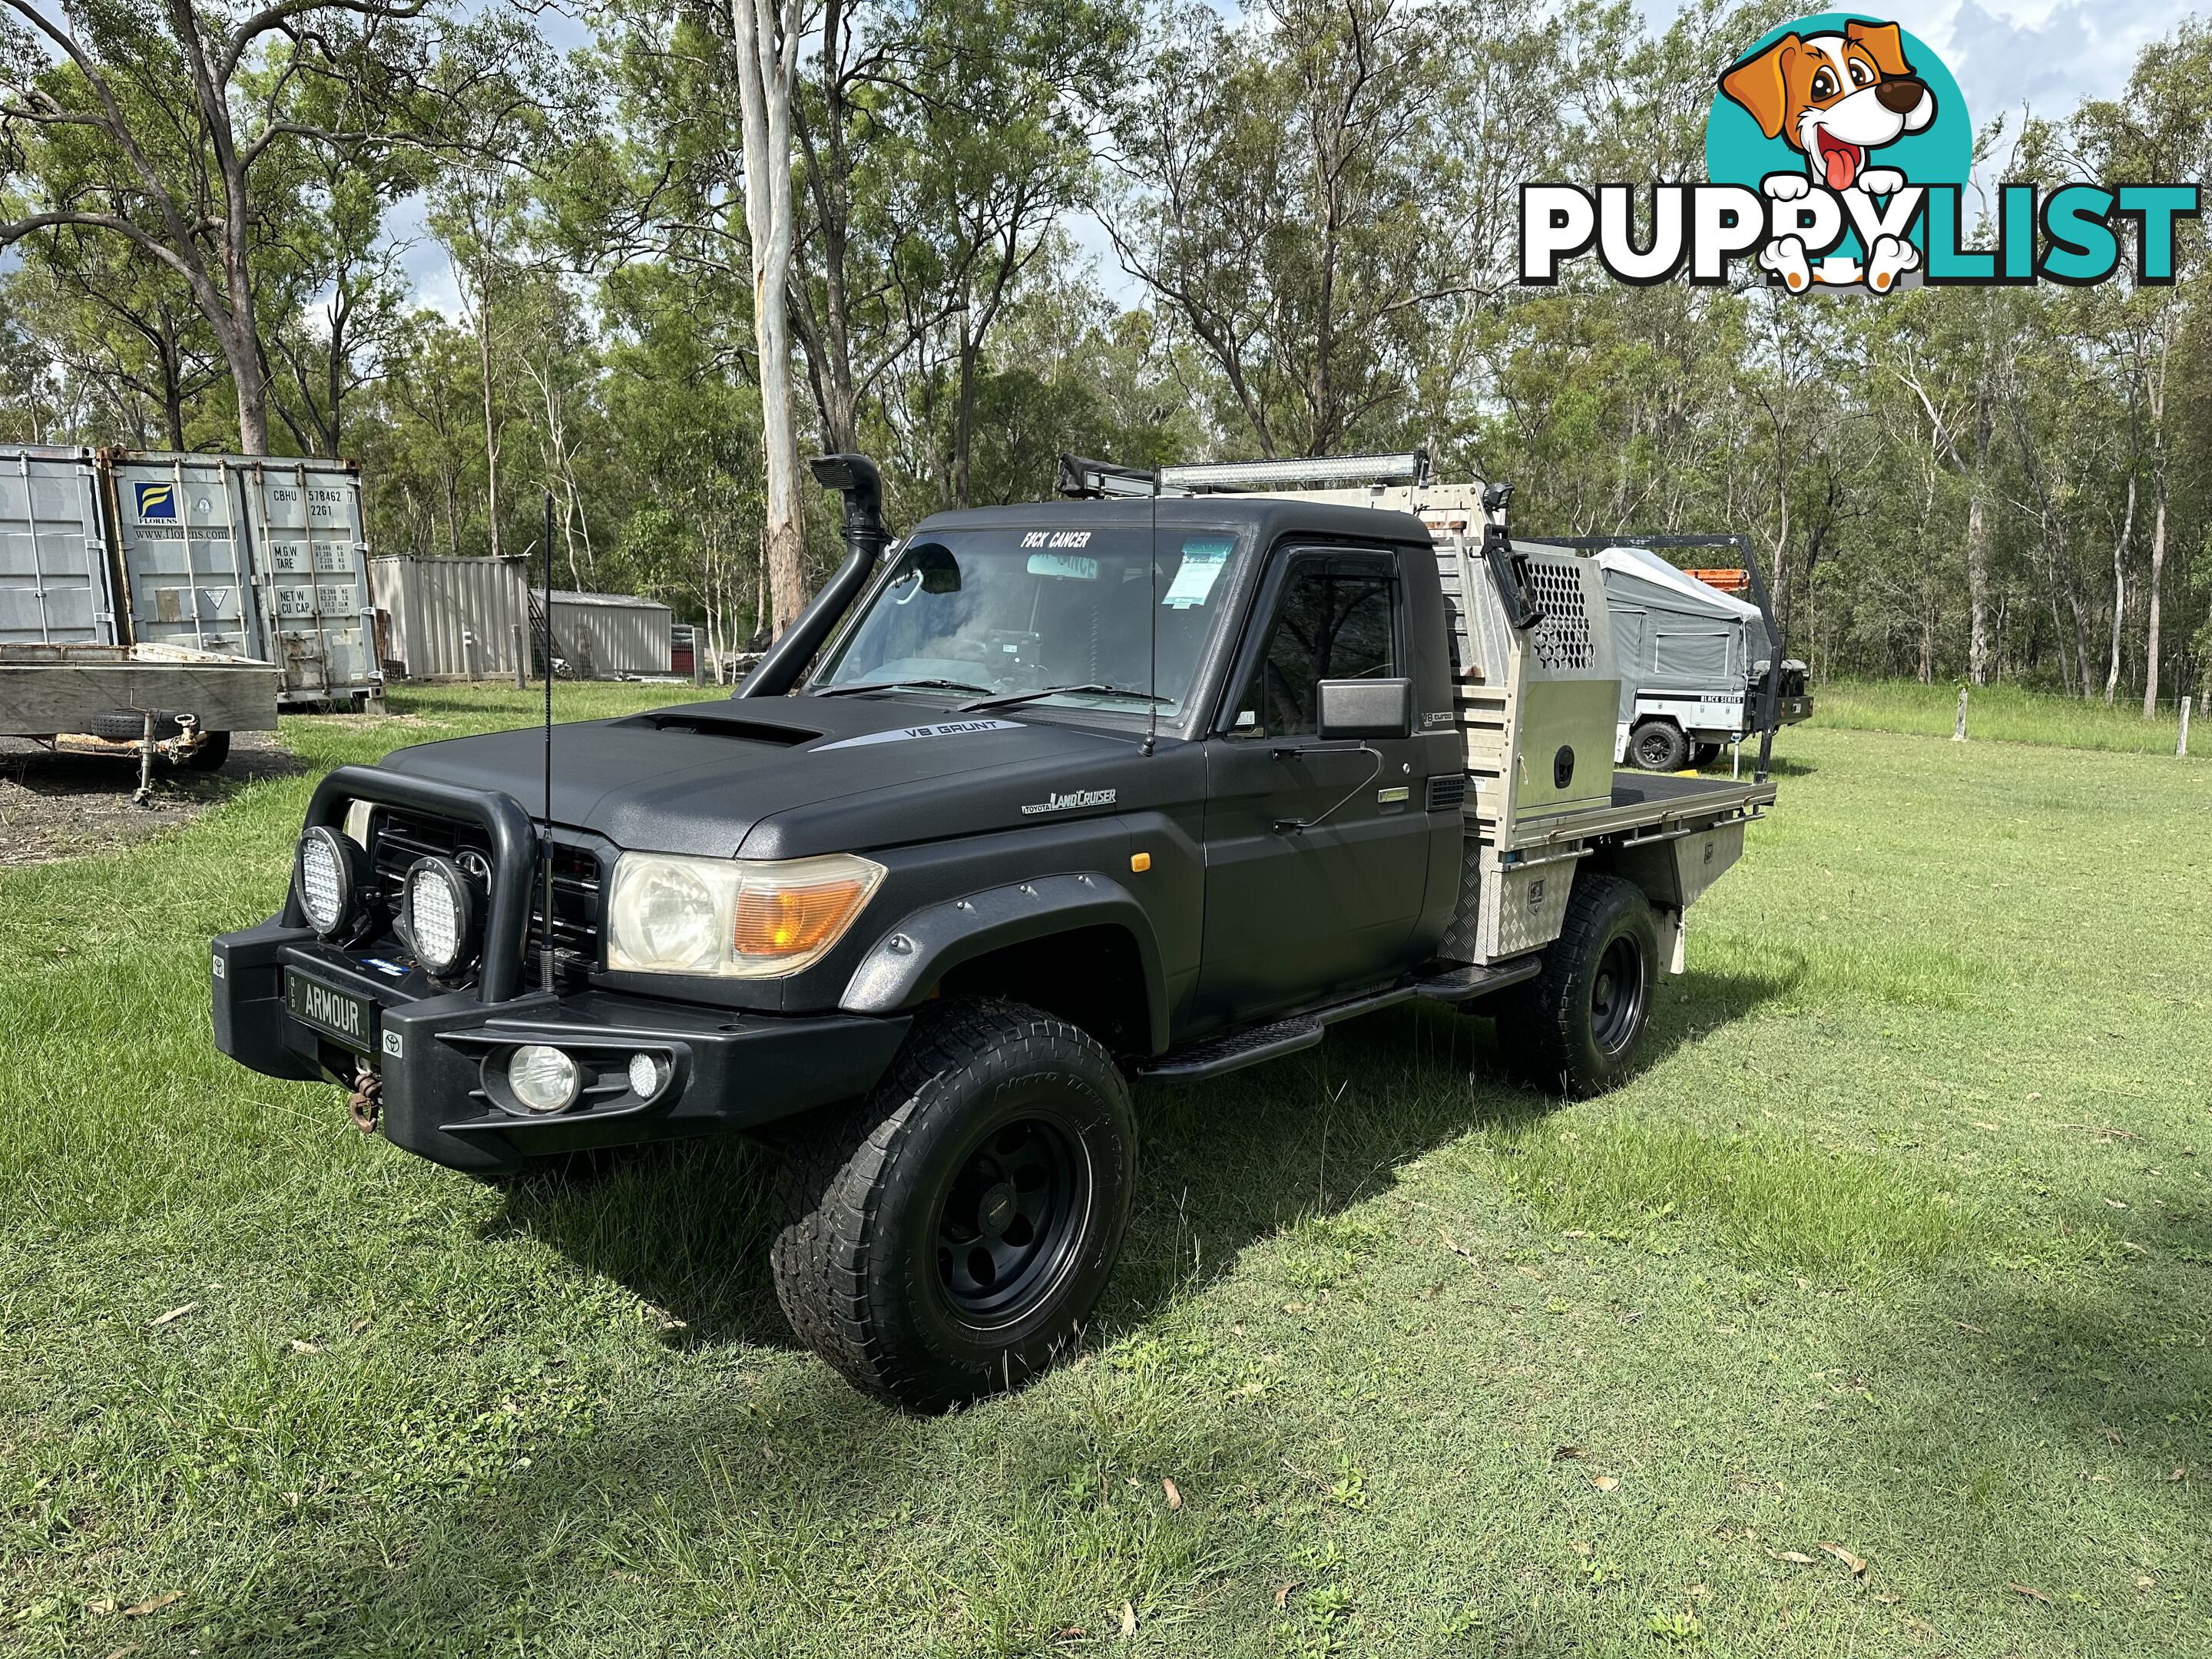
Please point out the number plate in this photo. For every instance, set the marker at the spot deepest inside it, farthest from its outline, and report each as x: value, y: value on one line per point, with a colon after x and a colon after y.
x: 338, y: 1015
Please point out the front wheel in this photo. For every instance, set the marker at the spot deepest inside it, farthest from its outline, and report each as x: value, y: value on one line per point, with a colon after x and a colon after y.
x: 948, y: 1237
x: 1577, y: 1026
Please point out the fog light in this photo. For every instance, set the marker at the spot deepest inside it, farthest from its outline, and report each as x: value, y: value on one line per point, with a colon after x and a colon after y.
x: 543, y: 1080
x: 326, y: 874
x: 644, y: 1076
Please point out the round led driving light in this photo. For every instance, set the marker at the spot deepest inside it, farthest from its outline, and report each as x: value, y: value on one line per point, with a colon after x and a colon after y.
x: 441, y: 914
x: 324, y: 875
x: 544, y: 1079
x: 644, y: 1076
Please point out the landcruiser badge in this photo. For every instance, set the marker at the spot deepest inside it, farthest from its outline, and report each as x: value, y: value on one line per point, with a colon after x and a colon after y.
x: 907, y: 733
x: 1057, y: 803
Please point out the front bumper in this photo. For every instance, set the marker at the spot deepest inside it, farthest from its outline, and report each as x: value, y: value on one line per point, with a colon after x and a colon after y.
x: 441, y: 1055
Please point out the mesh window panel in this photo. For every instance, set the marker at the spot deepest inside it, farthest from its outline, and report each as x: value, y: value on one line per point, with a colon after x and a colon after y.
x: 1562, y: 640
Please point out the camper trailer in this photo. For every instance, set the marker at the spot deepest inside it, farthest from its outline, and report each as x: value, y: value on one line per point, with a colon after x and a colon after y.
x: 1692, y: 662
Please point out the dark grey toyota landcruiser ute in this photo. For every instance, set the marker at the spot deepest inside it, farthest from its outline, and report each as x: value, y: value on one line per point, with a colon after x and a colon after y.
x: 1080, y: 791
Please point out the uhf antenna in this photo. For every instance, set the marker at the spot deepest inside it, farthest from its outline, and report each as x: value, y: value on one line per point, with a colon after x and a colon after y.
x: 545, y: 937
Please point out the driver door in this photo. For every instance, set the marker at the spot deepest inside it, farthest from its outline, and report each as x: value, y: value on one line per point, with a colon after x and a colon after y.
x: 1292, y: 914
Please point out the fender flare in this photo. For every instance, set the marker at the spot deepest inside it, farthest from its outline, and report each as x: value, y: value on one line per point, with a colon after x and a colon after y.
x: 925, y: 945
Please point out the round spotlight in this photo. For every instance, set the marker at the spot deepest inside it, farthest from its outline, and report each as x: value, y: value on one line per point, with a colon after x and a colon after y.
x: 442, y: 913
x: 645, y: 1075
x: 327, y: 873
x: 544, y: 1080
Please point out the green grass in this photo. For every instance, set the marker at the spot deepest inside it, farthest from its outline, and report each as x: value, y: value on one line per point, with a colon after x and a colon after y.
x: 1903, y: 1242
x: 2003, y: 714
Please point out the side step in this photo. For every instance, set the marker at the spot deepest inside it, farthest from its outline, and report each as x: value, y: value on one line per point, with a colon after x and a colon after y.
x: 1216, y: 1055
x: 1465, y: 984
x: 1226, y: 1053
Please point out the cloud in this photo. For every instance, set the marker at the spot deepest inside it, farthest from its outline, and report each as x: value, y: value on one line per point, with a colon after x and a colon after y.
x: 2051, y: 58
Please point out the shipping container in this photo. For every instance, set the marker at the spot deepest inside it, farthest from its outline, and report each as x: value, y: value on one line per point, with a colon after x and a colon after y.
x: 248, y: 556
x: 451, y: 619
x: 602, y: 636
x: 54, y: 574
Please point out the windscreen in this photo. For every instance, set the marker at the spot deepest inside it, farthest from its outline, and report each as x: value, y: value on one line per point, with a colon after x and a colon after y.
x: 1007, y: 612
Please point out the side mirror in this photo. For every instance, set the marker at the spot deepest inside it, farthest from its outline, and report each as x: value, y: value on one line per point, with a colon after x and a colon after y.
x: 1365, y: 709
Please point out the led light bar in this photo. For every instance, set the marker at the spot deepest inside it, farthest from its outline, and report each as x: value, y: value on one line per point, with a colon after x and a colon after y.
x: 1410, y: 468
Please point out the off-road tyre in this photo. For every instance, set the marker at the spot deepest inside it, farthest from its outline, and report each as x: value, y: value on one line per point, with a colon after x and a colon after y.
x: 1577, y: 1028
x: 1658, y: 747
x: 871, y: 1266
x: 213, y: 749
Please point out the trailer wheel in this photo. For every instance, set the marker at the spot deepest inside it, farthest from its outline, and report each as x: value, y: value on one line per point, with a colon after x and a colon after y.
x: 1658, y: 747
x: 213, y: 749
x: 1703, y: 755
x: 946, y: 1238
x: 1577, y: 1026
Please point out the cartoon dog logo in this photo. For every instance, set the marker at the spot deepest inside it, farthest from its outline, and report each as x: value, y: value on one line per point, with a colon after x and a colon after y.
x: 1835, y: 99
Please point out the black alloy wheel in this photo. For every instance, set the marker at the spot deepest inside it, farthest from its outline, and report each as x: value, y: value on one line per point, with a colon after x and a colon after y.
x: 1656, y: 746
x: 1005, y: 1230
x: 1616, y: 995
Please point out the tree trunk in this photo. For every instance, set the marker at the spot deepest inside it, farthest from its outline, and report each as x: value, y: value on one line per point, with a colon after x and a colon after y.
x: 2119, y: 593
x: 490, y: 411
x: 766, y: 36
x: 2157, y: 570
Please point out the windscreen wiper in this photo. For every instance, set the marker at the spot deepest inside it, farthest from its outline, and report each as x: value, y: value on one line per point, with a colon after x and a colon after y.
x: 1096, y: 689
x: 858, y: 686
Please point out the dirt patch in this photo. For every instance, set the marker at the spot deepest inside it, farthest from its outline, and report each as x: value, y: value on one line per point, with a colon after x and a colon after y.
x: 57, y: 806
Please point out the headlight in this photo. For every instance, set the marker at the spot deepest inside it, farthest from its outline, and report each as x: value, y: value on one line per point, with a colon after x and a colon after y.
x: 326, y: 874
x: 731, y: 918
x: 441, y: 914
x: 543, y: 1080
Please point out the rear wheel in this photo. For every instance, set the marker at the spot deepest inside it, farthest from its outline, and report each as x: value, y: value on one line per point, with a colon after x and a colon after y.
x: 1578, y: 1026
x: 1658, y: 747
x: 947, y: 1238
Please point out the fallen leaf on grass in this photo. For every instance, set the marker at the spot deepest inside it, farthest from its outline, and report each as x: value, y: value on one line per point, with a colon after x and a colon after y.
x: 153, y: 1604
x: 1175, y: 1496
x: 1575, y: 1232
x: 2145, y: 1583
x: 1964, y: 1325
x: 2180, y: 1472
x: 2033, y: 1594
x: 1605, y: 1482
x: 1582, y: 1550
x: 174, y: 1313
x: 302, y: 1346
x: 2116, y: 1203
x: 125, y: 1652
x: 1796, y: 1557
x: 100, y: 1608
x: 2114, y: 1436
x: 1856, y: 1564
x: 1886, y: 1599
x: 1283, y: 1594
x: 1128, y: 1621
x: 1561, y: 1453
x: 358, y: 1326
x: 1294, y: 1307
x: 1452, y: 1244
x: 1991, y: 1126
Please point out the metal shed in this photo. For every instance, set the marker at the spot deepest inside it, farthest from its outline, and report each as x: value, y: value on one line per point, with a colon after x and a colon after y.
x: 451, y: 619
x: 604, y: 635
x: 462, y: 619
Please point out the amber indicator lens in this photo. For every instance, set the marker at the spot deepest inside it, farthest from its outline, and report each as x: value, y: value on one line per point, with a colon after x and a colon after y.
x: 784, y: 921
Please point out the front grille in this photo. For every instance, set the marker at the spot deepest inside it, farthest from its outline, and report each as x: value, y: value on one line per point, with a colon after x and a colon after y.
x: 397, y: 838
